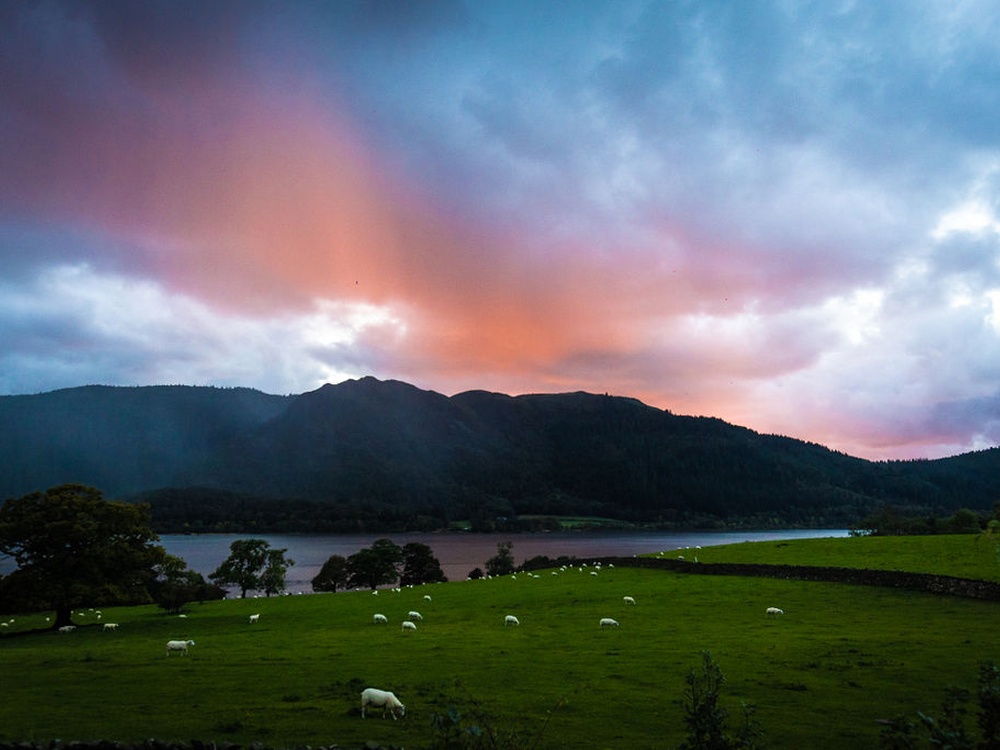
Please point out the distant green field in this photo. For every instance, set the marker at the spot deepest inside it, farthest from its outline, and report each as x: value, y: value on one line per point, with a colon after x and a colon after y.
x: 965, y: 556
x: 840, y: 658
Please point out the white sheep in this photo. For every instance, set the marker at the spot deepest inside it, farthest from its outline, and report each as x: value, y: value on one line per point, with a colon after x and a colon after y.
x: 408, y: 625
x: 427, y: 597
x: 773, y: 611
x: 110, y: 626
x: 67, y: 629
x: 254, y: 618
x: 607, y: 622
x: 380, y: 619
x: 381, y: 699
x: 181, y: 646
x: 510, y: 620
x: 414, y: 615
x: 628, y: 600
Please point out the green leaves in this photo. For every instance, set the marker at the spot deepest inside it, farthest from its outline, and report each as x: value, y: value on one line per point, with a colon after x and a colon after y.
x: 73, y: 547
x: 253, y: 566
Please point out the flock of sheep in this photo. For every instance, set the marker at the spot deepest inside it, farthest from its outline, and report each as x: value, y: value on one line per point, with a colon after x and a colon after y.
x: 384, y: 699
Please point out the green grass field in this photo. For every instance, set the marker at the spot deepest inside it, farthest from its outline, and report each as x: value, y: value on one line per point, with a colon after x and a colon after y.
x: 840, y: 658
x: 964, y: 556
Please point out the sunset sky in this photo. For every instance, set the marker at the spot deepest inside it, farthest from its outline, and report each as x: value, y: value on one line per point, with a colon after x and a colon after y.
x: 783, y: 214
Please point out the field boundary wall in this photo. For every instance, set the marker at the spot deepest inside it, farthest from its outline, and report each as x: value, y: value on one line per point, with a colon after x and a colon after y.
x: 927, y: 582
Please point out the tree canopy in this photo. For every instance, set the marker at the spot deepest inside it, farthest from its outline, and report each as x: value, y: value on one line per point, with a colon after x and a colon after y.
x: 502, y: 563
x: 420, y: 565
x: 74, y: 548
x: 176, y: 585
x: 375, y: 566
x: 253, y: 566
x: 332, y: 575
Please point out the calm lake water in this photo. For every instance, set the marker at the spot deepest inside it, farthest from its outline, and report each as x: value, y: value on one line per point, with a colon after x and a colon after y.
x: 460, y: 553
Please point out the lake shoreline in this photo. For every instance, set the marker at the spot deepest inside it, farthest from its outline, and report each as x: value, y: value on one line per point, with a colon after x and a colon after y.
x: 461, y: 552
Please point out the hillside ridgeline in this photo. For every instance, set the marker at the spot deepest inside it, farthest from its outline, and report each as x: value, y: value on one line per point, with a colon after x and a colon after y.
x: 384, y: 455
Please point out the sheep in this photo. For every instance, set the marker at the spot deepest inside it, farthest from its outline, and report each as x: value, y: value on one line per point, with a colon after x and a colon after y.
x: 628, y: 600
x: 67, y: 629
x: 380, y: 619
x: 607, y: 622
x: 773, y: 611
x: 110, y: 626
x: 414, y: 615
x: 254, y: 618
x: 408, y: 625
x: 427, y: 597
x: 181, y: 646
x: 510, y: 620
x: 381, y: 699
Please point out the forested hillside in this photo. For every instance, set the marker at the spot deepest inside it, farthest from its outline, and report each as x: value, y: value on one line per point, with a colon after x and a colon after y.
x: 370, y: 454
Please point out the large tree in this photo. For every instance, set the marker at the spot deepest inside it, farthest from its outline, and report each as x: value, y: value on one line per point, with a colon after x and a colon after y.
x: 503, y: 562
x: 332, y: 575
x: 253, y: 565
x: 73, y: 548
x: 375, y: 566
x: 420, y: 565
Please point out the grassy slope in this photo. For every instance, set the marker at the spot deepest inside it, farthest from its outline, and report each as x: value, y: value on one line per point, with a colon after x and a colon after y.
x: 964, y: 556
x: 840, y: 658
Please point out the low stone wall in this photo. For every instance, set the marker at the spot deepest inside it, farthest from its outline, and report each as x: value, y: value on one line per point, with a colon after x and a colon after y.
x: 926, y: 582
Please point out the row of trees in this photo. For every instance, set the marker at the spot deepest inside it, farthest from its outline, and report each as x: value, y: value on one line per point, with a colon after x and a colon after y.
x: 74, y: 548
x: 892, y: 521
x: 382, y: 564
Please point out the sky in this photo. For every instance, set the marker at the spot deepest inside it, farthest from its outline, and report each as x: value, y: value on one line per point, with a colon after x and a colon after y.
x: 784, y: 214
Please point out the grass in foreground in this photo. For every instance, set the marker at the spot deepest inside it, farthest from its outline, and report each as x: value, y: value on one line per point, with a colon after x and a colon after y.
x: 840, y: 658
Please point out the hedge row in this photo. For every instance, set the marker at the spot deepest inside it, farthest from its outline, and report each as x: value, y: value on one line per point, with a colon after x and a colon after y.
x: 926, y: 582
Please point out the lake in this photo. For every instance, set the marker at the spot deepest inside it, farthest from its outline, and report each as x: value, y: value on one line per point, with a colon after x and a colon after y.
x: 459, y: 553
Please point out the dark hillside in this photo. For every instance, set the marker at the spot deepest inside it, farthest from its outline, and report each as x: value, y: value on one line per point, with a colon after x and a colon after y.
x: 121, y: 439
x: 363, y: 440
x: 381, y: 454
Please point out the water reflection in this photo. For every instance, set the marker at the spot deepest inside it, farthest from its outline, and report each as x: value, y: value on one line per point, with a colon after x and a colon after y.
x: 460, y: 553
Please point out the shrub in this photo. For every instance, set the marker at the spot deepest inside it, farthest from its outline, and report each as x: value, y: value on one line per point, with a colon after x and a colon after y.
x: 706, y: 719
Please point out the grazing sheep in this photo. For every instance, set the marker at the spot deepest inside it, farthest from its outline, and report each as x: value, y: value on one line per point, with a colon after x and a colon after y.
x: 510, y: 620
x: 181, y: 646
x: 408, y: 625
x: 773, y: 611
x: 628, y: 600
x: 67, y: 629
x: 381, y: 699
x: 607, y: 622
x: 380, y: 619
x: 427, y: 597
x: 254, y: 618
x: 414, y: 615
x: 110, y: 626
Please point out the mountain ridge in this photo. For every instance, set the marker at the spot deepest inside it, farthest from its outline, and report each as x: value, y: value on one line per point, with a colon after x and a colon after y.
x: 387, y: 448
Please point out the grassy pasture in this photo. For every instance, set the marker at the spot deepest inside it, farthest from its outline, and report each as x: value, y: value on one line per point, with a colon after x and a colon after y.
x: 960, y: 555
x: 841, y: 657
